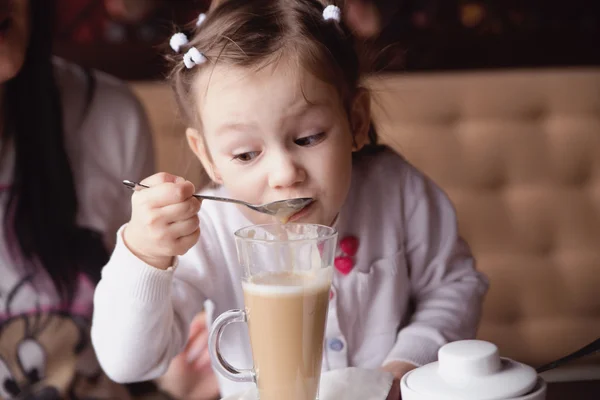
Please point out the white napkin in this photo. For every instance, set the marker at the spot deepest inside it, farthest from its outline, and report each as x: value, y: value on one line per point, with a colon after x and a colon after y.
x: 347, y: 384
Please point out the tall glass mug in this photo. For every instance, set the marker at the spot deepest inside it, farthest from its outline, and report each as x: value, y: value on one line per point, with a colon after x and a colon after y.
x: 287, y: 271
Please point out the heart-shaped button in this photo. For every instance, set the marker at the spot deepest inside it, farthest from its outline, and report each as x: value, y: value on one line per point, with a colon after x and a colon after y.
x: 349, y: 245
x: 344, y: 264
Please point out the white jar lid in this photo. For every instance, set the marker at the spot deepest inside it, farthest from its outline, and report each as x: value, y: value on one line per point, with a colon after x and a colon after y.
x: 471, y: 370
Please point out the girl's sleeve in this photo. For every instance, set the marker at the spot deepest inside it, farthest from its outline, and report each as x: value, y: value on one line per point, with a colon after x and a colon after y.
x: 446, y: 289
x: 142, y: 314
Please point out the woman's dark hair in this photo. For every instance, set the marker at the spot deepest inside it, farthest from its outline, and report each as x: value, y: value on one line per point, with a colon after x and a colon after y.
x: 42, y: 206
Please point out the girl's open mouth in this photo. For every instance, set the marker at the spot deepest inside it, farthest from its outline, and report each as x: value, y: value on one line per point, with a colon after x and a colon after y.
x: 302, y: 212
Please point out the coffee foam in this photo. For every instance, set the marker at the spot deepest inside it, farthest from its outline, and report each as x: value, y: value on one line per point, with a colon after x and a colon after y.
x: 289, y: 283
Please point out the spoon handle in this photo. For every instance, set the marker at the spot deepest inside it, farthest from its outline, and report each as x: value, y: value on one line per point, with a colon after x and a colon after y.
x: 132, y: 185
x: 223, y: 199
x: 582, y: 352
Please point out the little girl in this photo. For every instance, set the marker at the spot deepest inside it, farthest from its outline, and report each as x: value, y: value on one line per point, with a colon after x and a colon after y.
x: 272, y: 93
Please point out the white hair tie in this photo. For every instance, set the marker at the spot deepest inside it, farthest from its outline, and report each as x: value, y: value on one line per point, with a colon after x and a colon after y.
x: 332, y: 12
x: 177, y: 41
x: 193, y: 57
x: 201, y: 19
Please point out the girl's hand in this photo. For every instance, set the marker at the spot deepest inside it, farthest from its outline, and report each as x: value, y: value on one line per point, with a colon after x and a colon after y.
x: 398, y: 369
x: 190, y: 376
x: 164, y: 220
x: 196, y: 350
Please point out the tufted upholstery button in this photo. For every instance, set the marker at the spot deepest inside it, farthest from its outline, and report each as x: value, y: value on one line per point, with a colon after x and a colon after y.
x: 572, y: 150
x: 534, y: 113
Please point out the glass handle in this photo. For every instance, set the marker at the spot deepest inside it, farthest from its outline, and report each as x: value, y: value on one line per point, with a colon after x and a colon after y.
x: 214, y: 340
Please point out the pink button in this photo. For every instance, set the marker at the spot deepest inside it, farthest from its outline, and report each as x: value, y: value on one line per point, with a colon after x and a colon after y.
x: 344, y: 264
x: 349, y: 245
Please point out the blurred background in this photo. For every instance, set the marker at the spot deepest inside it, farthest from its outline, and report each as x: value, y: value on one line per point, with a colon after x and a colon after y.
x: 122, y: 36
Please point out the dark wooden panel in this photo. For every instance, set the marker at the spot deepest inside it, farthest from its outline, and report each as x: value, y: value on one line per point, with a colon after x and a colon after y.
x: 421, y: 35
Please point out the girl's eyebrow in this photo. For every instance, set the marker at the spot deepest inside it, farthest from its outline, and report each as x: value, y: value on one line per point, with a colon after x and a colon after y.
x: 234, y: 126
x: 307, y: 108
x: 295, y: 112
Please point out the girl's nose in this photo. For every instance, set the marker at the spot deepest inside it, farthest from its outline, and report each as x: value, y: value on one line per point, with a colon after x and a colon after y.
x: 284, y: 171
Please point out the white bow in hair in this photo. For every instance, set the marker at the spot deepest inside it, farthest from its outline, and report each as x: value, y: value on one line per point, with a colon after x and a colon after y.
x: 201, y: 19
x: 177, y: 41
x: 193, y: 57
x: 332, y: 12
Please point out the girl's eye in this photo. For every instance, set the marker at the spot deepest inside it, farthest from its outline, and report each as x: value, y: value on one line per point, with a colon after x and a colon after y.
x: 246, y: 157
x: 310, y: 140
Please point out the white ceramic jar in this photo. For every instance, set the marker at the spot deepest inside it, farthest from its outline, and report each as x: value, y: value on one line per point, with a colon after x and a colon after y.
x: 472, y: 370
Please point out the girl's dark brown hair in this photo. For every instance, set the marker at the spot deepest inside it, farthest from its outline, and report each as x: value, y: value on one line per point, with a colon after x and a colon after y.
x: 257, y: 33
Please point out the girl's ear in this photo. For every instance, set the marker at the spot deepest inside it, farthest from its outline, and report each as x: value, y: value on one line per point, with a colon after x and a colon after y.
x: 360, y: 118
x: 198, y: 146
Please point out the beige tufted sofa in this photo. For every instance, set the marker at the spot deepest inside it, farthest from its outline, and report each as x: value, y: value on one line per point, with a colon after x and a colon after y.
x: 519, y: 154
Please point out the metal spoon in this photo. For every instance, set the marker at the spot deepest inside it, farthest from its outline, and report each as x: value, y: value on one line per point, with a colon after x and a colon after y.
x: 282, y: 209
x: 587, y: 350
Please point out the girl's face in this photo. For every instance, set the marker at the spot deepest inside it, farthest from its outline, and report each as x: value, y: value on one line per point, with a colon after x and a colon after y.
x: 276, y: 134
x: 14, y: 36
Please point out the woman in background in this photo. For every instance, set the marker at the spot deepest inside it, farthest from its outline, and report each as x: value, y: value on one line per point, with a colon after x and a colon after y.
x: 67, y: 138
